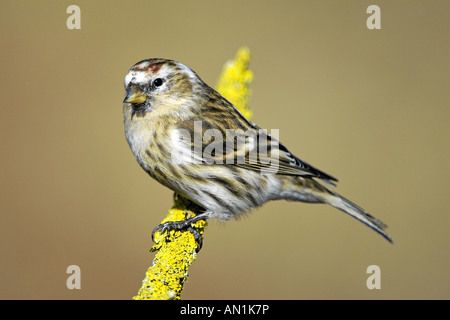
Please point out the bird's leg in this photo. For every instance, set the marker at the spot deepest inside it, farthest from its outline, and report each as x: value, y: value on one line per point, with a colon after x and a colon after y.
x: 184, y: 224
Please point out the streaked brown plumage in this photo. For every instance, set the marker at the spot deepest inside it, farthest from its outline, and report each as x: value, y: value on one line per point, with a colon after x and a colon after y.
x: 179, y: 129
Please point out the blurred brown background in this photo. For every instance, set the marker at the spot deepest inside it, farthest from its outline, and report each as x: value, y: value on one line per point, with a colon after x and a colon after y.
x: 368, y: 106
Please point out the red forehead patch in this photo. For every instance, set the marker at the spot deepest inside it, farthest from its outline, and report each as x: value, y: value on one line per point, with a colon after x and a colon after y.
x: 150, y: 68
x: 155, y: 67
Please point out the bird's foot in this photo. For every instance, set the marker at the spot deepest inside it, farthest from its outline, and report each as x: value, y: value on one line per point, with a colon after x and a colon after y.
x: 181, y: 225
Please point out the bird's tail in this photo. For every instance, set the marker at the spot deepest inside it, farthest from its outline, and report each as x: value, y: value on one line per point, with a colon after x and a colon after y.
x: 357, y: 212
x: 310, y: 190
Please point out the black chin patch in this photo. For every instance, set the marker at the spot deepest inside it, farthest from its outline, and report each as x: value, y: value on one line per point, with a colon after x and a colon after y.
x: 139, y: 109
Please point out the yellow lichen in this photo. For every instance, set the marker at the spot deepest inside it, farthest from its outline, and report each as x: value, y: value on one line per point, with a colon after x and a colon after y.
x: 234, y: 81
x: 177, y: 249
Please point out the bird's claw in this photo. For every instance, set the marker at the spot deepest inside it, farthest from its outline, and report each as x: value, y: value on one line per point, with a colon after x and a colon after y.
x: 180, y: 225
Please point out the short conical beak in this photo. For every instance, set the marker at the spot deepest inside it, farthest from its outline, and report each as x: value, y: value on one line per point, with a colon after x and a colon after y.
x: 135, y: 97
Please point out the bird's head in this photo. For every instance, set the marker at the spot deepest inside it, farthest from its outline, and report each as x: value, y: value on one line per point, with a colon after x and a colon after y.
x: 159, y: 84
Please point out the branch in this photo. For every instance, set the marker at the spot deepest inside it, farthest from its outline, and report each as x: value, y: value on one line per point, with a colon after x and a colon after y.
x: 177, y: 249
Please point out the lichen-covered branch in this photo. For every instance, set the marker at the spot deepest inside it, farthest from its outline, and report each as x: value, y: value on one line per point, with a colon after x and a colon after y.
x: 177, y: 249
x: 234, y: 82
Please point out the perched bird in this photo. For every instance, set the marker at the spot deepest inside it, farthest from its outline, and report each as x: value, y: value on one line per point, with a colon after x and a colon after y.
x: 192, y: 140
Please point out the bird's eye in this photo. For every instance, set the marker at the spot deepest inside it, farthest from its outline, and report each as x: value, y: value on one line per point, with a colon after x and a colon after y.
x: 158, y: 82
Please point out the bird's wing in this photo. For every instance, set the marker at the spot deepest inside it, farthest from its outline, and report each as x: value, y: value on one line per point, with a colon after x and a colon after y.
x: 273, y: 157
x: 253, y: 149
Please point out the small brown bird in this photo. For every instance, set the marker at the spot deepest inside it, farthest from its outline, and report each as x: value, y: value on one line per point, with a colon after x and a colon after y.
x: 194, y: 141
